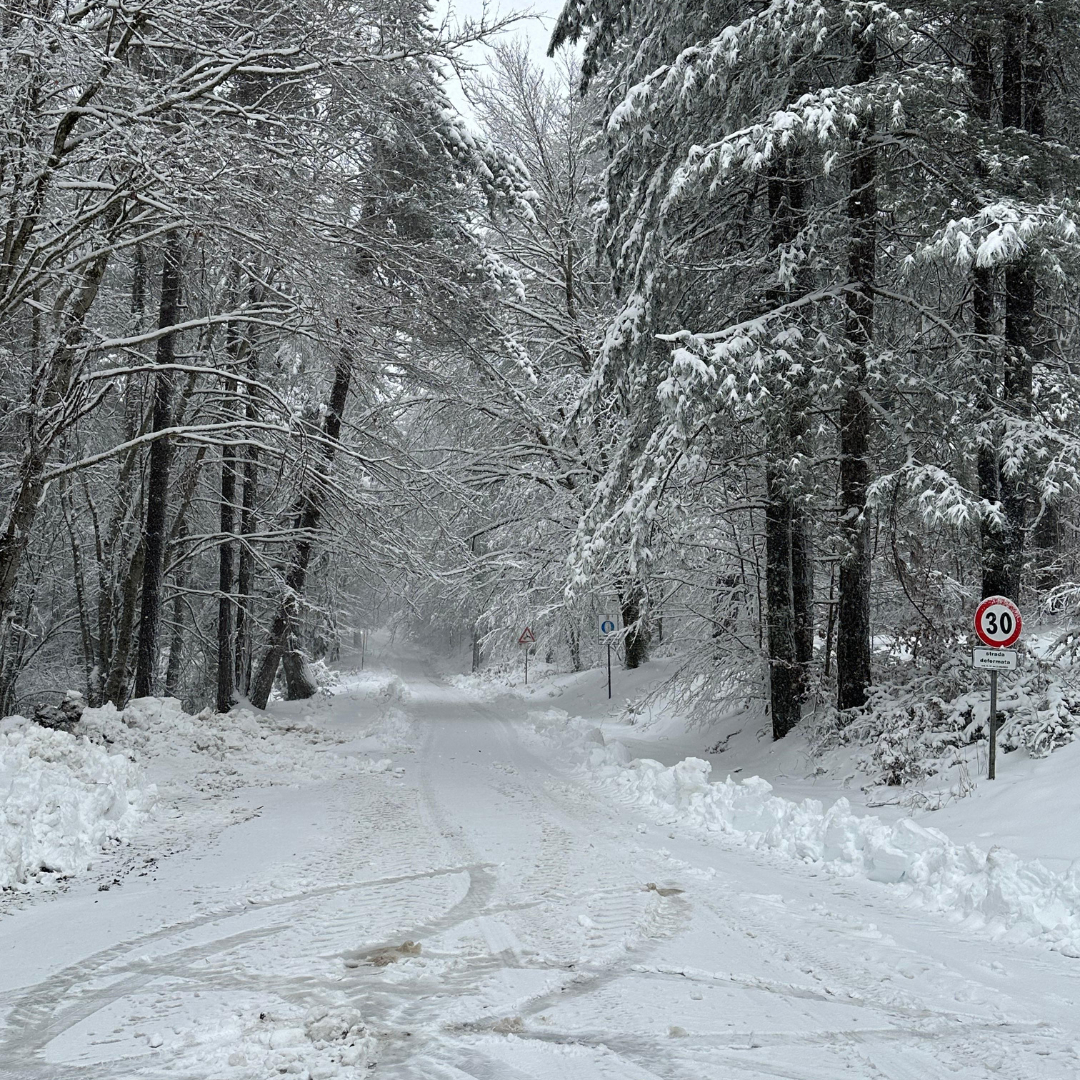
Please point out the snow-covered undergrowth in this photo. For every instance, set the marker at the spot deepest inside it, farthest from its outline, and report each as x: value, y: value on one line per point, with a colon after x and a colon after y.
x: 495, y: 680
x: 921, y: 719
x: 67, y: 797
x: 63, y: 800
x: 993, y: 890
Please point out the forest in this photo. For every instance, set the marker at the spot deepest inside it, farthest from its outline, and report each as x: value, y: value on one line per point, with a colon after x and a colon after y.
x: 754, y: 322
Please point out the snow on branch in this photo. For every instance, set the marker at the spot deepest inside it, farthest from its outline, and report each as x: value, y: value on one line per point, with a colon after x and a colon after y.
x: 1000, y: 233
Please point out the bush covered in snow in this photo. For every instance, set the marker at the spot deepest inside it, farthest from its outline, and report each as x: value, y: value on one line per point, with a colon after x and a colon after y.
x: 923, y: 710
x: 325, y: 676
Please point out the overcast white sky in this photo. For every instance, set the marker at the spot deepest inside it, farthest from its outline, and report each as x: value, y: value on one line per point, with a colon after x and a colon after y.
x: 536, y: 30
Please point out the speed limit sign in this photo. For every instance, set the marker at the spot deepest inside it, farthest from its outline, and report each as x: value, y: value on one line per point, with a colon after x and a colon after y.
x: 998, y: 622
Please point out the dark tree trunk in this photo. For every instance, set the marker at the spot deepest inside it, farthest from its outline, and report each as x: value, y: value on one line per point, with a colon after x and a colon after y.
x: 1021, y: 107
x: 299, y: 677
x: 853, y: 610
x: 175, y: 668
x: 86, y: 636
x: 13, y: 655
x: 245, y: 577
x: 51, y: 385
x: 1020, y: 282
x: 178, y: 566
x: 155, y: 536
x: 573, y: 643
x: 788, y: 568
x: 991, y: 533
x: 637, y: 636
x: 802, y: 589
x: 226, y: 669
x: 115, y: 548
x: 984, y: 324
x: 785, y: 672
x: 115, y: 543
x: 116, y: 686
x: 475, y: 666
x: 282, y: 643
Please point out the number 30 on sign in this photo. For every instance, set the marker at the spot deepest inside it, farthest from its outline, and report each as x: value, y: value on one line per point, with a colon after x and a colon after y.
x: 998, y: 622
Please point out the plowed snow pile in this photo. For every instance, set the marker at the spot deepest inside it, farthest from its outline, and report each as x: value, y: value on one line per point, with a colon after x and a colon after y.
x: 63, y: 800
x: 219, y: 752
x: 66, y: 798
x: 993, y: 891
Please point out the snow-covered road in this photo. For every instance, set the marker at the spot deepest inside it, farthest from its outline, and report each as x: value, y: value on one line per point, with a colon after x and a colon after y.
x: 483, y: 915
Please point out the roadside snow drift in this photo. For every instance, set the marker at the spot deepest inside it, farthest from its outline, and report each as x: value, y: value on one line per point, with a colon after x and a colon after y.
x: 994, y: 891
x: 63, y: 800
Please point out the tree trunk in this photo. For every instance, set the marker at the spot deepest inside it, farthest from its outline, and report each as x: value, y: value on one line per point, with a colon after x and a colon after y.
x: 155, y: 535
x: 991, y: 535
x: 226, y: 664
x: 853, y: 610
x: 12, y: 655
x: 114, y: 549
x: 175, y: 669
x: 802, y: 589
x: 116, y: 686
x: 789, y: 593
x: 308, y: 511
x: 245, y: 577
x: 300, y: 682
x: 89, y: 648
x: 179, y: 567
x: 1020, y: 279
x: 1021, y: 107
x: 785, y: 672
x: 637, y: 636
x: 51, y: 386
x: 573, y: 643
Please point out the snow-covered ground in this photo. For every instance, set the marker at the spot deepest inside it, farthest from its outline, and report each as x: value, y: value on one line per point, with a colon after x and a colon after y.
x: 464, y: 879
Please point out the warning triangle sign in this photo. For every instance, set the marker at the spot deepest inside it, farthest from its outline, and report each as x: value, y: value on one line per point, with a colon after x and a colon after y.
x: 527, y: 637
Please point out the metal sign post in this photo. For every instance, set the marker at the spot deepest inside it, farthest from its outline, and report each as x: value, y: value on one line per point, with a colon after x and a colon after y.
x: 527, y: 638
x: 997, y: 624
x: 991, y: 770
x: 607, y: 628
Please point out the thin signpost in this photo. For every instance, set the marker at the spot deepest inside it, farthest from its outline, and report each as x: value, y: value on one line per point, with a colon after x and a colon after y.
x: 997, y: 625
x: 607, y: 628
x: 527, y: 638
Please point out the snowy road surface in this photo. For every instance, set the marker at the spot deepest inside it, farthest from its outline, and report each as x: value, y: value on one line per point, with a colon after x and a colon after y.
x: 483, y: 916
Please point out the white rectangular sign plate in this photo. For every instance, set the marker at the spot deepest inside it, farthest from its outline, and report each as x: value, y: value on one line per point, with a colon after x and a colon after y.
x: 993, y: 659
x: 608, y: 626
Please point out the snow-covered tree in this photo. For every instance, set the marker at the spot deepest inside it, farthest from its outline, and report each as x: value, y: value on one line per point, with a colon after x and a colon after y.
x: 797, y: 193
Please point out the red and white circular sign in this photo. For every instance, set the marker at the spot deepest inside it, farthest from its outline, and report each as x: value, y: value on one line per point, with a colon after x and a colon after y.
x: 998, y: 622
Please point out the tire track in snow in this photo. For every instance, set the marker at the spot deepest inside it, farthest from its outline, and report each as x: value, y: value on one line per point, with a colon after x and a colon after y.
x: 39, y: 1014
x: 619, y: 925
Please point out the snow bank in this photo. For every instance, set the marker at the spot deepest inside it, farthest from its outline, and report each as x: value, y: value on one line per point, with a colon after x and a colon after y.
x: 993, y: 890
x: 67, y: 797
x: 219, y: 752
x: 63, y: 800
